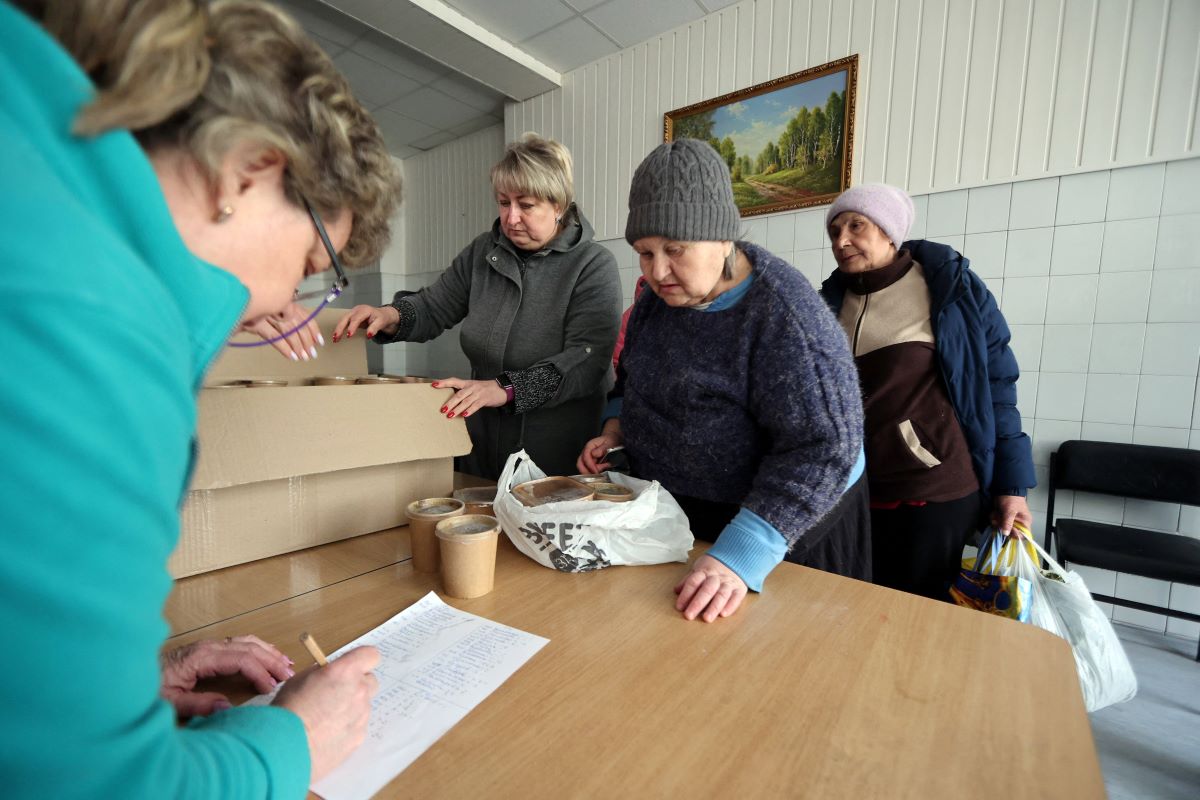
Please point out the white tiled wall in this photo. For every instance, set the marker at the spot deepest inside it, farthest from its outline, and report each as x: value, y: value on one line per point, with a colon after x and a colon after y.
x: 1098, y: 275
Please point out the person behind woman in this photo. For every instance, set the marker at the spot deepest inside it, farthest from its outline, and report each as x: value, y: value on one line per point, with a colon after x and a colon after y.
x: 127, y: 262
x: 540, y: 303
x: 737, y: 392
x: 944, y: 437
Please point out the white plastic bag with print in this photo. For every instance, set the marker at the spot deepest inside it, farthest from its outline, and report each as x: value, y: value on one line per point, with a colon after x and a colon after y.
x: 584, y: 535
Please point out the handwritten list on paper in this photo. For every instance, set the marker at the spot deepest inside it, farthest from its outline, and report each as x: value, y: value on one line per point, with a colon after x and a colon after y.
x: 437, y: 663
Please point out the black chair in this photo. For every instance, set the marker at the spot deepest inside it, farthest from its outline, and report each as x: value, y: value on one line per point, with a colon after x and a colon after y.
x: 1169, y: 474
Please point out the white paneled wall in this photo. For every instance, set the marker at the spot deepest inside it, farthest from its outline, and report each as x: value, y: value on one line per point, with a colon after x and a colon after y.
x: 951, y: 93
x: 1051, y: 141
x: 447, y: 202
x: 1034, y: 136
x: 1098, y: 275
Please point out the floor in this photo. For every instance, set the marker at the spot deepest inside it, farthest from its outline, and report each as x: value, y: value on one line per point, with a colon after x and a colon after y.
x: 1149, y: 747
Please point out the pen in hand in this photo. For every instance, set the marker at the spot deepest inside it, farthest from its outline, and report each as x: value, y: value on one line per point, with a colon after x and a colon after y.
x: 307, y: 640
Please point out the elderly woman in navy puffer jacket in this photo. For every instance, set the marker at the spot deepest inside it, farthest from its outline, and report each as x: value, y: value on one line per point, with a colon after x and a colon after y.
x: 736, y: 391
x: 943, y: 434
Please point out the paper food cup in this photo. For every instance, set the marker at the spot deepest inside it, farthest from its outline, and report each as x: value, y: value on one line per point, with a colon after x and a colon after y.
x: 333, y: 380
x: 423, y: 516
x: 468, y: 546
x: 478, y: 499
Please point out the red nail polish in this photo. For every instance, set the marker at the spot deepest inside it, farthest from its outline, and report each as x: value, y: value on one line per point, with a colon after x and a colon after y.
x: 436, y: 386
x: 443, y: 409
x: 450, y: 415
x: 370, y: 336
x: 465, y: 413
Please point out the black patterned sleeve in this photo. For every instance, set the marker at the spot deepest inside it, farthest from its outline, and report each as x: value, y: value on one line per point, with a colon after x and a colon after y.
x: 534, y: 386
x: 408, y: 316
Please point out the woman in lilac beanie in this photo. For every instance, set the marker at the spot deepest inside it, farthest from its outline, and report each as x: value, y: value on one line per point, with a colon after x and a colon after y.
x: 944, y: 444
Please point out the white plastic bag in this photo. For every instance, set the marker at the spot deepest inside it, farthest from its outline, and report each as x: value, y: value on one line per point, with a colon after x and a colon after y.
x: 1105, y: 674
x: 583, y: 535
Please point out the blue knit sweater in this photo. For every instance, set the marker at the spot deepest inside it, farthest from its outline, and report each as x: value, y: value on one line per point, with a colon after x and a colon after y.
x: 757, y: 404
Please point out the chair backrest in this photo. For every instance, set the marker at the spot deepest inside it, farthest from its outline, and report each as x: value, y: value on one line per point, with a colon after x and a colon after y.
x: 1169, y: 474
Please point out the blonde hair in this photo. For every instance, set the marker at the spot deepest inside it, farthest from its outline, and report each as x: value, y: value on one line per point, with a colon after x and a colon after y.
x: 208, y: 76
x: 537, y: 167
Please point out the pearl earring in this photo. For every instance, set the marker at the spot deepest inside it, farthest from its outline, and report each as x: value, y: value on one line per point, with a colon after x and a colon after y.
x: 224, y: 213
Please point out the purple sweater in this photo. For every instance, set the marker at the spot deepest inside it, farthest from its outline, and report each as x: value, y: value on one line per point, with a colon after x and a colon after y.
x: 757, y: 404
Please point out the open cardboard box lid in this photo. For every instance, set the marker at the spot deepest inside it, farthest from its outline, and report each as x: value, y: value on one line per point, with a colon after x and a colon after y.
x: 251, y: 435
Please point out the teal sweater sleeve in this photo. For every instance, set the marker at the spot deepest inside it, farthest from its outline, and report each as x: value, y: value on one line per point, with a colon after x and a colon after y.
x: 106, y: 323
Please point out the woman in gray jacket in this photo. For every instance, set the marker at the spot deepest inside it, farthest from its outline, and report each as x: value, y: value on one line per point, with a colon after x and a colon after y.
x: 540, y: 305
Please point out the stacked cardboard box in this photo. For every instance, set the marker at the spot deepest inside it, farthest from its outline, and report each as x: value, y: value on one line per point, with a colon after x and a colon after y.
x: 281, y: 469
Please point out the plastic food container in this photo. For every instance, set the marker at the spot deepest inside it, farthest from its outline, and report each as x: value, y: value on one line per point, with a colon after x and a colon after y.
x: 478, y: 499
x: 599, y: 477
x: 551, y: 490
x: 612, y: 492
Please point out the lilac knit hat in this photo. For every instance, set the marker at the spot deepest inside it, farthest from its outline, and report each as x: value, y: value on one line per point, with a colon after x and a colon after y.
x: 888, y: 207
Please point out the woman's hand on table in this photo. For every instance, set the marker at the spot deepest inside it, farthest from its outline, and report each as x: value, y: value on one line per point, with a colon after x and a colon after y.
x: 298, y: 346
x: 1007, y: 509
x: 593, y: 457
x: 334, y: 703
x: 372, y: 319
x: 261, y: 663
x: 709, y: 591
x: 470, y: 396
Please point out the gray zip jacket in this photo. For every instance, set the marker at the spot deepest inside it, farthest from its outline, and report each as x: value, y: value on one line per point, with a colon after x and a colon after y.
x: 562, y: 310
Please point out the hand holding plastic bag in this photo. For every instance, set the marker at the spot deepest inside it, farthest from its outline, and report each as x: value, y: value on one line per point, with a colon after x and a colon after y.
x: 997, y: 583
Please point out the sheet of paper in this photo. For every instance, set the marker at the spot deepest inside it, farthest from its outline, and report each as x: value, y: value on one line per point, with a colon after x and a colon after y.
x: 437, y: 664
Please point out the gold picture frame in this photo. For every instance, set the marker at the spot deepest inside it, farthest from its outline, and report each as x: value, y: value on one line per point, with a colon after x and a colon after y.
x: 788, y: 142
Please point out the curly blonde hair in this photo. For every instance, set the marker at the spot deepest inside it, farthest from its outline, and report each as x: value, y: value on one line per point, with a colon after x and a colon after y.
x: 537, y: 167
x: 207, y: 76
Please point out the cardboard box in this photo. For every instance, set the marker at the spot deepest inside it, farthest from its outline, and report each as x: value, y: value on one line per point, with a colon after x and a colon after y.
x: 282, y: 469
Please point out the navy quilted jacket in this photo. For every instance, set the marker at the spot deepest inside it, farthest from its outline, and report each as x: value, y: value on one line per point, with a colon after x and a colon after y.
x: 979, y: 369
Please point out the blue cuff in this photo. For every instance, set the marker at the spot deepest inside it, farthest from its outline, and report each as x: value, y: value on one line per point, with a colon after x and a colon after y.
x: 612, y: 409
x: 860, y: 466
x: 751, y: 547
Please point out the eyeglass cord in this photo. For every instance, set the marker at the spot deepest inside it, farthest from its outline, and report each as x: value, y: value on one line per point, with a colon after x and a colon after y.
x: 328, y: 299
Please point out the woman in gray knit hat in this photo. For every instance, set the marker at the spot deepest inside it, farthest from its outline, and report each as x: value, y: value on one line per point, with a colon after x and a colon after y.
x: 735, y: 390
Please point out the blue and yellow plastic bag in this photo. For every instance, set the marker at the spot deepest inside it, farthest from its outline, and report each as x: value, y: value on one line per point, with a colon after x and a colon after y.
x: 992, y: 583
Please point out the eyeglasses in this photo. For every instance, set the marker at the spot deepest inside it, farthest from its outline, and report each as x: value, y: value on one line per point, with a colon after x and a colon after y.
x: 340, y: 283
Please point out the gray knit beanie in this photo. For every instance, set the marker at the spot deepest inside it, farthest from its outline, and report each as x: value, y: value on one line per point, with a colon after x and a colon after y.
x: 682, y: 191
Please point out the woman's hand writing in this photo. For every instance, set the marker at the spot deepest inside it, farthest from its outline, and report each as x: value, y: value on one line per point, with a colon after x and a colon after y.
x: 334, y: 703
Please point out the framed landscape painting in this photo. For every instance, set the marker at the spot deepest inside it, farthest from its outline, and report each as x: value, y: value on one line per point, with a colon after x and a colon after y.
x: 787, y: 142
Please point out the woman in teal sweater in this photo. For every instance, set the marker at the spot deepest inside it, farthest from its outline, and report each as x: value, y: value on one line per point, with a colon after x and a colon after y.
x: 169, y: 191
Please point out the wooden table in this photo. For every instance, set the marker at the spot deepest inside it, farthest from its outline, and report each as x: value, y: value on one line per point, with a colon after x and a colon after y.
x: 820, y: 687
